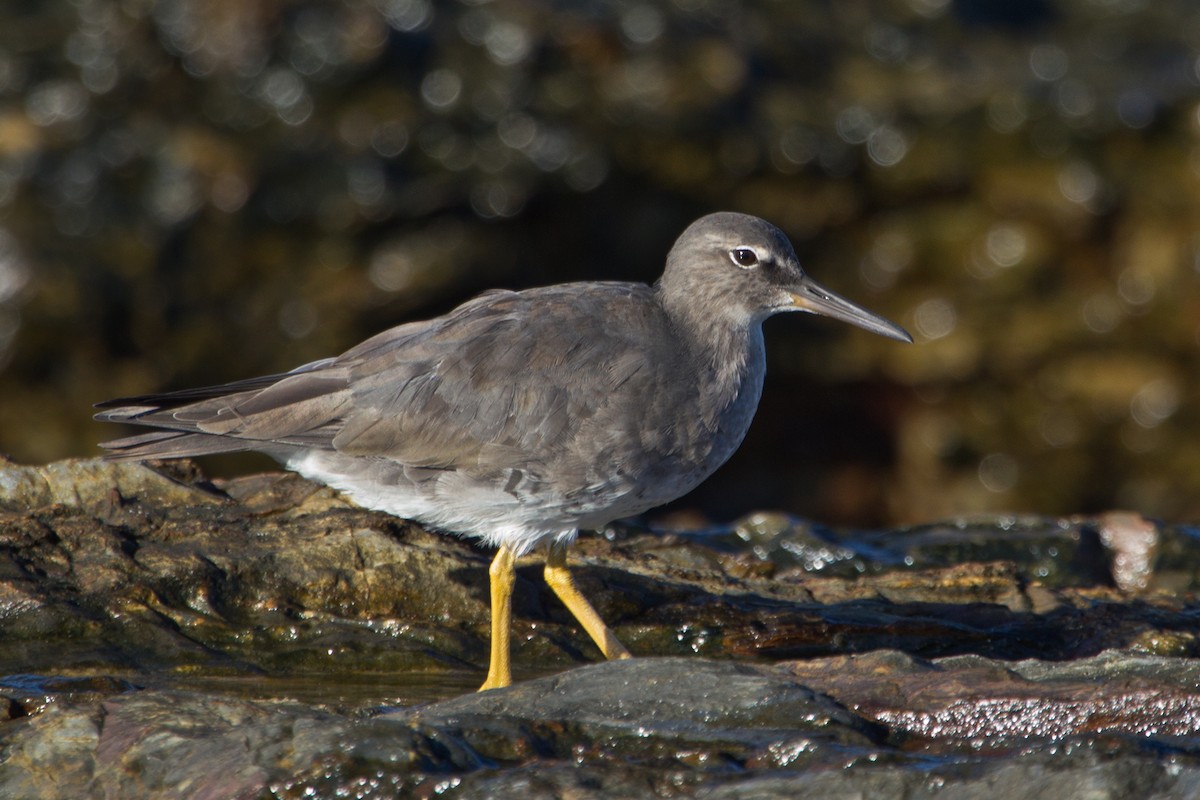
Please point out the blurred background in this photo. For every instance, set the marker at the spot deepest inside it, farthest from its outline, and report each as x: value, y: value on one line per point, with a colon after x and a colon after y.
x: 194, y: 191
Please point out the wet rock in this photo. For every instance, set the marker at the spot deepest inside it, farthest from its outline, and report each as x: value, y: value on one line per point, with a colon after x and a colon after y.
x: 165, y: 635
x: 136, y: 568
x: 1118, y: 547
x: 1006, y: 705
x: 654, y: 713
x: 27, y: 695
x: 687, y: 727
x: 125, y: 565
x: 1177, y: 567
x: 651, y: 710
x: 1079, y: 773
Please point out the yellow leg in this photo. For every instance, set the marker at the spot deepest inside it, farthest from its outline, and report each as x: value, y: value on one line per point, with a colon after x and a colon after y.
x: 503, y: 575
x: 558, y: 577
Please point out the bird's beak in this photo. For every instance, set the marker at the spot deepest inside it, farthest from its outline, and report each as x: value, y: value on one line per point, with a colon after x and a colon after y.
x: 810, y: 296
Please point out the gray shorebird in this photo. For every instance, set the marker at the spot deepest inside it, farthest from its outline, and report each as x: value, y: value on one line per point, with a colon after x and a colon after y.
x: 523, y: 417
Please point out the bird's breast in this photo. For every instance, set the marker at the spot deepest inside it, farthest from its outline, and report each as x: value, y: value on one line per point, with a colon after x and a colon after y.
x: 738, y: 386
x: 682, y: 442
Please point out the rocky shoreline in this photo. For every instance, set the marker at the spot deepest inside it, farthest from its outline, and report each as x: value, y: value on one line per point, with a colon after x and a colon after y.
x: 169, y: 636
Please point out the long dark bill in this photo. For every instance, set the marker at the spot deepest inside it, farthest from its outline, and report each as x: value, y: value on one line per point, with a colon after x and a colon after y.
x: 810, y: 296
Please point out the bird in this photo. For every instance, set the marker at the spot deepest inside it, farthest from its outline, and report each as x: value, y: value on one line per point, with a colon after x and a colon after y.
x: 520, y: 418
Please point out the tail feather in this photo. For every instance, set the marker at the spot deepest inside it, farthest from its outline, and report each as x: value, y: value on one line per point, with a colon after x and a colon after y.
x: 171, y: 444
x: 274, y: 414
x: 125, y: 408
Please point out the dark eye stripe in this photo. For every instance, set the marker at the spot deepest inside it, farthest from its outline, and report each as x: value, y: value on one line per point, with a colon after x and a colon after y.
x: 743, y: 256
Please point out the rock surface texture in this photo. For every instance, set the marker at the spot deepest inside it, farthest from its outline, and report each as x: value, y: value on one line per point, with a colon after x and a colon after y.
x: 165, y: 636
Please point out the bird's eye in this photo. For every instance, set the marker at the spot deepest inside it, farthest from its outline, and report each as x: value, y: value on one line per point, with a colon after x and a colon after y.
x: 743, y: 256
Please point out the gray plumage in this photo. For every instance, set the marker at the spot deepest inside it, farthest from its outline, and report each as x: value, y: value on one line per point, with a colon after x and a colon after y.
x: 522, y: 417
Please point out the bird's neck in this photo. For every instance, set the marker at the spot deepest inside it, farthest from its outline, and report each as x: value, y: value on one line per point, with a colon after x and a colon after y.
x: 725, y: 348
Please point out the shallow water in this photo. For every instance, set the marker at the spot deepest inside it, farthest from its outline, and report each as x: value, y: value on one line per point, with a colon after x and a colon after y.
x: 344, y: 692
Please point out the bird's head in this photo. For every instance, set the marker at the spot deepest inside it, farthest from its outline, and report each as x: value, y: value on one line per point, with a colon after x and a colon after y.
x: 739, y: 266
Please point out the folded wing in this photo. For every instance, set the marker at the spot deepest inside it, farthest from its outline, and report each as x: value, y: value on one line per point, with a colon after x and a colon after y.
x: 468, y: 391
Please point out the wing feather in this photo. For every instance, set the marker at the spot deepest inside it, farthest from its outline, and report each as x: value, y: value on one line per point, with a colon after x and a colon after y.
x: 472, y: 390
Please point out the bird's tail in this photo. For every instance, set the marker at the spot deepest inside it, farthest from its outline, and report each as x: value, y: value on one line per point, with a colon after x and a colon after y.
x: 170, y: 444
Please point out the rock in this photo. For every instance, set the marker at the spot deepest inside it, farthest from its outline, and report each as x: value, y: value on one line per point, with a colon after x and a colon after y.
x: 1081, y: 773
x: 120, y: 564
x: 647, y: 709
x: 1004, y: 705
x: 650, y: 713
x: 689, y: 727
x: 169, y: 636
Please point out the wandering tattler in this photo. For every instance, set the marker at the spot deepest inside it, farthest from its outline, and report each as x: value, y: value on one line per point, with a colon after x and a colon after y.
x: 522, y: 417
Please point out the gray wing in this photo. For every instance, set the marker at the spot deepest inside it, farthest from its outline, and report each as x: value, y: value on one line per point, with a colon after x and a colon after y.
x: 475, y: 390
